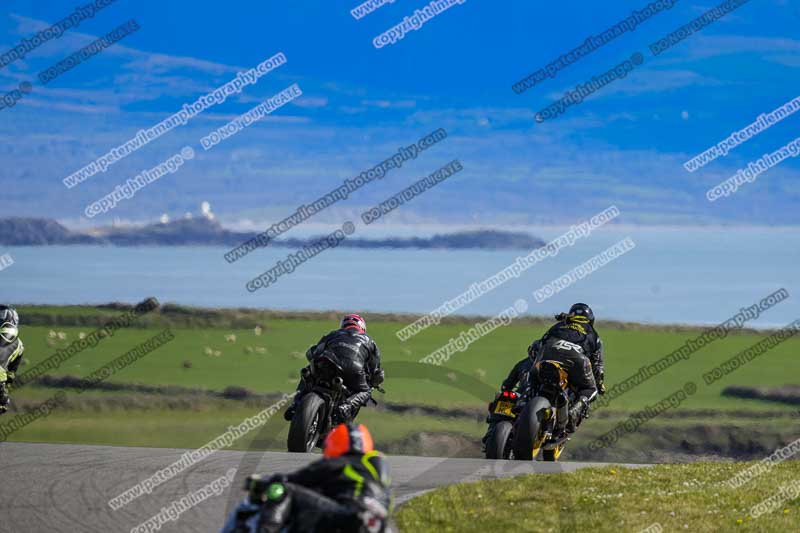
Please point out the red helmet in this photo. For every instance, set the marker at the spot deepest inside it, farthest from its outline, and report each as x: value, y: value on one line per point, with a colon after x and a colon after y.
x: 348, y: 438
x: 354, y: 321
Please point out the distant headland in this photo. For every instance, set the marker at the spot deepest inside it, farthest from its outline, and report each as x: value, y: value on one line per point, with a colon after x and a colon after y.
x: 204, y: 231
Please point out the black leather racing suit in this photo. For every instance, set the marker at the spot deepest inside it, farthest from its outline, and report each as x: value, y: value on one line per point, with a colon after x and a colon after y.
x: 10, y: 359
x: 577, y: 365
x: 586, y: 336
x: 360, y: 360
x: 516, y: 378
x: 569, y: 342
x: 331, y: 495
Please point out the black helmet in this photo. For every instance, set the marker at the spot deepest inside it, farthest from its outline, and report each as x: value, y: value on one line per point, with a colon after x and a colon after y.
x: 582, y: 310
x: 9, y: 324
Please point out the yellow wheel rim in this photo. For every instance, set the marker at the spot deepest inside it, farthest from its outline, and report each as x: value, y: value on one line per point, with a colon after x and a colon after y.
x: 537, y: 445
x: 558, y: 450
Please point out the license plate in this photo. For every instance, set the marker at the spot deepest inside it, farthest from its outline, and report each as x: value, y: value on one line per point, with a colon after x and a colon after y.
x: 504, y: 408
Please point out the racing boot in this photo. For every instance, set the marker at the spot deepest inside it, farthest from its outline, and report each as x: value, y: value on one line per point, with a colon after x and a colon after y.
x: 290, y: 411
x: 301, y: 390
x: 577, y: 413
x: 349, y: 408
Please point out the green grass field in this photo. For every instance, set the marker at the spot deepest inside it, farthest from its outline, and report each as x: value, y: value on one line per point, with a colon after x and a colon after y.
x: 282, y: 345
x: 192, y: 429
x: 202, y: 358
x: 676, y: 497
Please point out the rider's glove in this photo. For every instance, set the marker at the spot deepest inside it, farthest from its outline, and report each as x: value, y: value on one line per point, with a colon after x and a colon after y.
x: 378, y: 377
x: 600, y: 379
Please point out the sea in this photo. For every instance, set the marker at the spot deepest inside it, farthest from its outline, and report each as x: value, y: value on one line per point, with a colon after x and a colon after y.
x: 671, y: 276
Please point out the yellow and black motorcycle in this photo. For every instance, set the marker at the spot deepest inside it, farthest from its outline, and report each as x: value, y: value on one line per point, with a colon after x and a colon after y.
x: 541, y: 423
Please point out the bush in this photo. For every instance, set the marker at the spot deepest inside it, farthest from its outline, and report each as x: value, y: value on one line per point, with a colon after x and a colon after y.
x: 234, y: 392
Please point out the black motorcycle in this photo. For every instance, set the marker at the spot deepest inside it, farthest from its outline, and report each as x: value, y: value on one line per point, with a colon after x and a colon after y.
x: 318, y: 412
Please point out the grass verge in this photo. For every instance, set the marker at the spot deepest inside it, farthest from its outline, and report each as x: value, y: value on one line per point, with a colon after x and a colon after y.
x: 688, y: 497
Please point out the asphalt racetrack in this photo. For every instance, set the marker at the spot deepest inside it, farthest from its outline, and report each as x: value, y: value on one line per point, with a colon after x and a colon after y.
x: 66, y: 488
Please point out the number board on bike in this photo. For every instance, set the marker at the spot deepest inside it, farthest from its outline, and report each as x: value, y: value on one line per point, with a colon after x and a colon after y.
x: 504, y: 408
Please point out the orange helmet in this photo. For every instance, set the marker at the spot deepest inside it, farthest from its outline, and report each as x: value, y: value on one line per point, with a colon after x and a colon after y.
x: 348, y: 438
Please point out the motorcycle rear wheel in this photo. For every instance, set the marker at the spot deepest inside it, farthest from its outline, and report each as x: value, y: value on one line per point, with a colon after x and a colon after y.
x: 527, y: 437
x: 307, y: 422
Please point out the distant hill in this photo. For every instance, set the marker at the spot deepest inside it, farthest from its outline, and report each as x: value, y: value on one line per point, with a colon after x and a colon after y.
x: 20, y: 231
x: 202, y: 231
x: 183, y: 232
x: 489, y: 239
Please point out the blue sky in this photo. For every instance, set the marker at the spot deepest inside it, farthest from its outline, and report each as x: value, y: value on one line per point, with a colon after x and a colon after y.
x: 624, y: 145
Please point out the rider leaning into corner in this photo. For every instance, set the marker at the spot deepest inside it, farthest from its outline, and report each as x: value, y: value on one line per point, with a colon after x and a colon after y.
x: 347, y: 491
x: 519, y: 374
x: 360, y: 359
x: 11, y: 350
x: 573, y: 342
x: 516, y: 381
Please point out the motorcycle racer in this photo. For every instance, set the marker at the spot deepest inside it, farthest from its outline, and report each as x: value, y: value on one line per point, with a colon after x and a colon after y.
x: 11, y: 351
x: 360, y: 359
x: 574, y: 343
x: 347, y: 491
